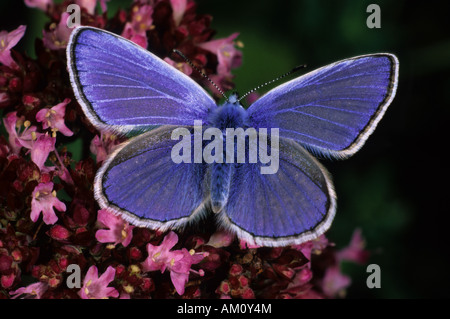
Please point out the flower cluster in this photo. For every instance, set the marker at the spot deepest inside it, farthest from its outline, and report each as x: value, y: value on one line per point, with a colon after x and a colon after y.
x: 49, y: 219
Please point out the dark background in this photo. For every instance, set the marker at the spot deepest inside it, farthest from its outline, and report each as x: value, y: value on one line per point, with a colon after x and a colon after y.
x: 395, y: 188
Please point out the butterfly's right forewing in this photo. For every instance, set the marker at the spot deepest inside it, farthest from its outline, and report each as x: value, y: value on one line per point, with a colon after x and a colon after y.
x: 123, y: 87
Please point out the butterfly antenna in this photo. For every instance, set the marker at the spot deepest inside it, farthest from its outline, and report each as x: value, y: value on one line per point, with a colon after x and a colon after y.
x: 200, y: 72
x: 274, y: 80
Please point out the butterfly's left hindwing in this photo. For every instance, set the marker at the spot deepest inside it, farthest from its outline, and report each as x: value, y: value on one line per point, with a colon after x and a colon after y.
x: 142, y: 183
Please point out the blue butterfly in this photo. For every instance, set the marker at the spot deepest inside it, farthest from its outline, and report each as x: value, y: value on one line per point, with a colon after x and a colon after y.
x: 329, y: 112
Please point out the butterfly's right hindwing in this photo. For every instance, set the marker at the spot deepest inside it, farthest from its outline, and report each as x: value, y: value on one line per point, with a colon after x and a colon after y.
x: 295, y: 204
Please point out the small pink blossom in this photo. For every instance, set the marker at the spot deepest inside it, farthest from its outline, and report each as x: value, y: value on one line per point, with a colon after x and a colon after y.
x: 103, y: 5
x: 90, y: 5
x: 62, y: 171
x: 141, y: 22
x: 95, y: 287
x: 221, y: 238
x: 312, y: 247
x: 4, y: 99
x: 178, y: 9
x: 45, y: 200
x: 142, y: 18
x: 251, y: 98
x: 159, y: 257
x: 181, y: 66
x: 180, y: 268
x: 7, y: 41
x: 355, y: 251
x: 7, y: 280
x: 40, y: 4
x: 130, y: 34
x: 54, y: 118
x: 179, y: 262
x: 298, y: 284
x: 19, y: 138
x: 59, y: 232
x: 334, y: 282
x: 229, y: 57
x: 119, y: 230
x: 34, y: 291
x: 58, y: 36
x: 103, y: 145
x: 247, y: 245
x: 41, y: 149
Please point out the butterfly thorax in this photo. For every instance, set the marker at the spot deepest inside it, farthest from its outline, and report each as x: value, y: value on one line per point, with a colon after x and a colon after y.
x: 228, y: 115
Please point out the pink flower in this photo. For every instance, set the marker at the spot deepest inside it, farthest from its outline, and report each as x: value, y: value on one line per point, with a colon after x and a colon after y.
x: 119, y: 230
x: 54, y: 118
x: 90, y: 5
x: 179, y: 262
x: 246, y: 245
x: 311, y: 247
x: 299, y: 284
x: 221, y: 238
x: 103, y: 145
x: 44, y: 200
x: 130, y: 34
x: 141, y: 22
x: 355, y: 251
x: 181, y: 66
x: 19, y: 139
x: 229, y: 57
x: 181, y: 267
x: 334, y: 282
x: 178, y: 9
x: 40, y: 4
x: 103, y: 5
x: 4, y: 99
x: 142, y: 18
x: 35, y: 291
x: 41, y: 149
x: 59, y: 232
x: 58, y: 36
x: 159, y: 257
x: 97, y: 288
x: 7, y: 42
x: 7, y: 280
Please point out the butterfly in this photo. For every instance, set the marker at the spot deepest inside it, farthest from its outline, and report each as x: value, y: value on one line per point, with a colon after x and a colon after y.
x: 328, y: 112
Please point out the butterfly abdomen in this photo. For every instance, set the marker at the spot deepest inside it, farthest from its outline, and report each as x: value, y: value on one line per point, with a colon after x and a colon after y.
x: 220, y: 185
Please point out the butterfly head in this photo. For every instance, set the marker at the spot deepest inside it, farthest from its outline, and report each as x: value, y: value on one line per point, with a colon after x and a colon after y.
x: 234, y: 98
x: 231, y: 114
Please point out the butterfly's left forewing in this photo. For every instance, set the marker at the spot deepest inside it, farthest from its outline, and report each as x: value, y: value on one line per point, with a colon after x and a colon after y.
x: 141, y: 182
x: 123, y: 87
